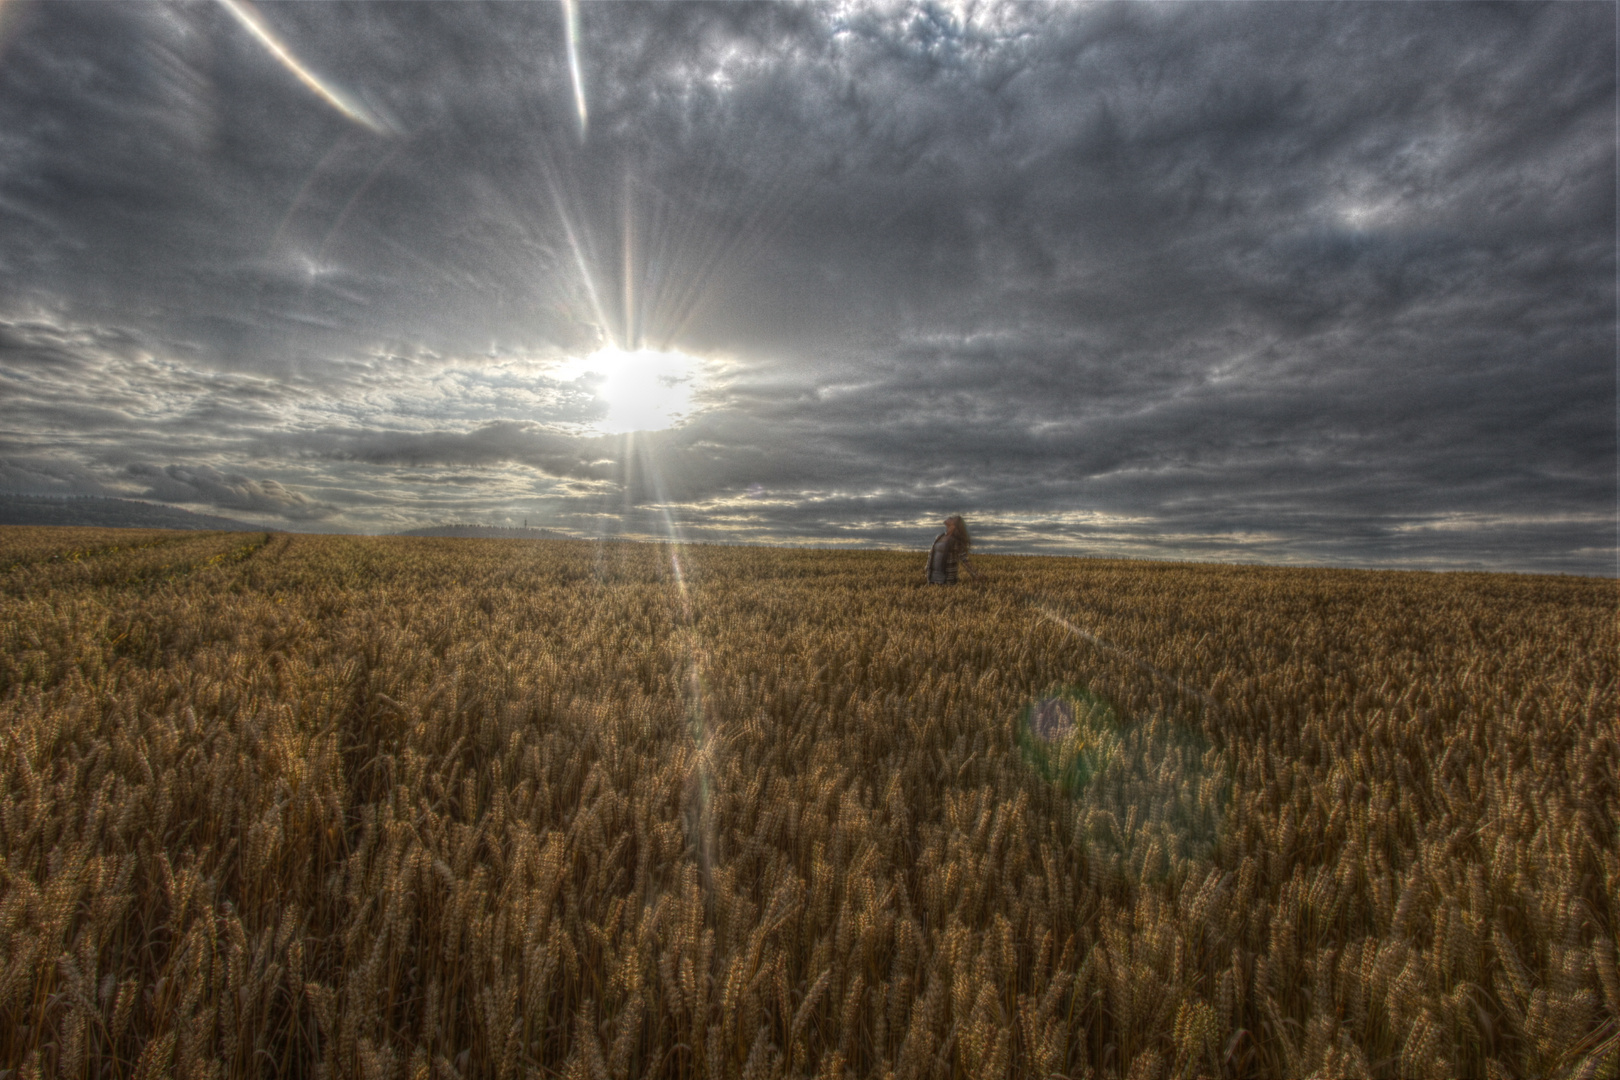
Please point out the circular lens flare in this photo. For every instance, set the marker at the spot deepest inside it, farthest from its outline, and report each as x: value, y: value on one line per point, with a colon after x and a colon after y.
x: 1069, y: 736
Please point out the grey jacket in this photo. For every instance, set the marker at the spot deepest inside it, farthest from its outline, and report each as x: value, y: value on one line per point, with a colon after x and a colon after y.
x: 943, y: 561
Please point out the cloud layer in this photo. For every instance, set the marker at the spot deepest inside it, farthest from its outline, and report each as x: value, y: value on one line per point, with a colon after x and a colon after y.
x: 1288, y: 283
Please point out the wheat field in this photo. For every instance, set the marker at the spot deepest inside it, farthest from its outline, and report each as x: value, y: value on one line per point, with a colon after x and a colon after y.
x: 302, y: 806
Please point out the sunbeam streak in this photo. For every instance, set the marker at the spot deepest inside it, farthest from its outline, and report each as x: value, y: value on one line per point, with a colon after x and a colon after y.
x: 371, y: 178
x: 699, y: 727
x: 571, y: 36
x: 1180, y: 686
x: 304, y: 189
x: 632, y: 331
x: 587, y: 279
x: 7, y: 9
x: 250, y: 18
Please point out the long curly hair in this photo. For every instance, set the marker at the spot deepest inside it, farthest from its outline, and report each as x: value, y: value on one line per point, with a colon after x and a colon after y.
x: 957, y: 530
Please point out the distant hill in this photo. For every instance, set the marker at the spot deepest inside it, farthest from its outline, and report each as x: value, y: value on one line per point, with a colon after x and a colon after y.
x: 486, y: 532
x: 105, y: 513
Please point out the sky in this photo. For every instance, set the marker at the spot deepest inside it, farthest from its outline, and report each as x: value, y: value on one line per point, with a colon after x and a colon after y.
x: 1289, y: 283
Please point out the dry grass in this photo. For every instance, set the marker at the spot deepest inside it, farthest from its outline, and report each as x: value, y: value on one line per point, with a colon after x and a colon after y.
x: 385, y: 807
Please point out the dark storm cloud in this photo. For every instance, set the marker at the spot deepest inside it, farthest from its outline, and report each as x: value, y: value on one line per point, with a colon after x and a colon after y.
x: 1299, y: 282
x: 36, y: 477
x: 492, y: 444
x: 203, y: 484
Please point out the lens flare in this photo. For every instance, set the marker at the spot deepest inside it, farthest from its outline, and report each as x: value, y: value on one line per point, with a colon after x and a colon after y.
x: 571, y: 36
x: 1148, y: 784
x: 8, y: 20
x: 1068, y: 737
x: 1181, y: 686
x: 250, y: 18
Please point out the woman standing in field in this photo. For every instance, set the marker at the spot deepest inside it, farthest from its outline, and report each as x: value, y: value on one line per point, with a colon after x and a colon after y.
x: 951, y: 548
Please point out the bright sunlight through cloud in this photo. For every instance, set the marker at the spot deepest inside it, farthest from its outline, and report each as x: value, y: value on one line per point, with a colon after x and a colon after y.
x: 644, y: 390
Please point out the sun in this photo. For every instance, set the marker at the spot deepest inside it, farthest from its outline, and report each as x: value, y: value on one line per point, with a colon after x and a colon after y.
x: 643, y: 390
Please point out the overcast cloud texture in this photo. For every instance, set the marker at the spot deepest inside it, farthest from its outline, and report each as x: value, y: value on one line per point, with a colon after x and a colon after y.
x: 1296, y: 283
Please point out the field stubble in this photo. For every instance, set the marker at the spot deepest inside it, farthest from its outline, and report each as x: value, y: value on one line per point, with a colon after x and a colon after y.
x: 384, y: 807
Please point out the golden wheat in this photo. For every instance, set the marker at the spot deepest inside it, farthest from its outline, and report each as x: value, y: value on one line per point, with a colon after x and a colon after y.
x: 350, y: 807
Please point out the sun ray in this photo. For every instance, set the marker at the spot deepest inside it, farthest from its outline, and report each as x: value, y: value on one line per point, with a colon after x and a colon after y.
x: 736, y: 244
x: 627, y: 226
x: 571, y: 37
x: 581, y: 263
x: 694, y: 653
x: 343, y: 215
x: 250, y: 18
x: 303, y: 191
